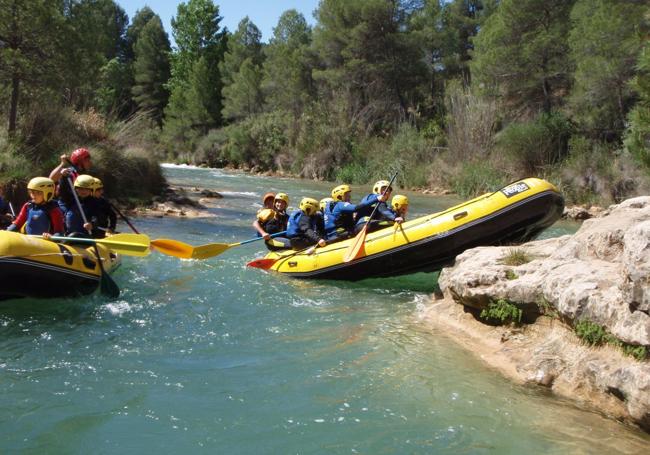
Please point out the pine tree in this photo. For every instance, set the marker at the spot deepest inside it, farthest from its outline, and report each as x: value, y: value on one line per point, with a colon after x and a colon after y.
x: 605, y: 41
x: 287, y: 83
x: 152, y: 69
x: 198, y: 37
x: 521, y: 53
x: 241, y: 71
x: 141, y: 18
x: 31, y: 33
x: 368, y: 59
x: 638, y: 135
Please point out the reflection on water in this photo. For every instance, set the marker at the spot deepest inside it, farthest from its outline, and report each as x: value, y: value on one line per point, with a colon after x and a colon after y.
x: 209, y: 356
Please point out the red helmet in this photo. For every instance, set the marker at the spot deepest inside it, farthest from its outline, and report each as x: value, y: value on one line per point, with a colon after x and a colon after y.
x: 79, y: 155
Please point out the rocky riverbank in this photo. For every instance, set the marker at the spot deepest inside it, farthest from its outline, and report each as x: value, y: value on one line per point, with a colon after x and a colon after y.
x: 576, y: 311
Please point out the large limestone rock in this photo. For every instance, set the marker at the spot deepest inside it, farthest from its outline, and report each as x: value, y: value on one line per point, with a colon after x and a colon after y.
x: 600, y: 274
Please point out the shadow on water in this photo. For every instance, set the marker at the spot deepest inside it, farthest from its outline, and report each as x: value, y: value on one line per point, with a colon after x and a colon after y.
x: 416, y: 282
x: 48, y: 311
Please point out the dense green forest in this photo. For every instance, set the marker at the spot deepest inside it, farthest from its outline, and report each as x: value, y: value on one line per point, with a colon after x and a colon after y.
x: 456, y: 94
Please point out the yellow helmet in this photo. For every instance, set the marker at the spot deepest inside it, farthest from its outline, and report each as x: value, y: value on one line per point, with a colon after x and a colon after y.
x: 399, y: 202
x: 339, y: 192
x: 97, y: 184
x: 282, y: 197
x: 309, y: 205
x: 323, y: 203
x: 42, y: 184
x: 85, y: 181
x: 379, y: 185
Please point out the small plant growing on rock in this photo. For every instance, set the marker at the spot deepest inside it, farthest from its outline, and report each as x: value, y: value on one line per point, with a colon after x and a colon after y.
x: 511, y: 275
x: 590, y: 332
x: 502, y: 310
x: 516, y: 257
x: 638, y: 352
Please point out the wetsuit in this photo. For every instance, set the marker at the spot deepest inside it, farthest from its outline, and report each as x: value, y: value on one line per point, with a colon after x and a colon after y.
x: 74, y: 223
x: 104, y: 217
x: 39, y: 218
x: 302, y: 230
x: 273, y: 221
x: 383, y: 216
x: 339, y: 218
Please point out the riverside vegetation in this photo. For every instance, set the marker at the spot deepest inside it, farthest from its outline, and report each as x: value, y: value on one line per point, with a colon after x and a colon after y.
x: 463, y: 95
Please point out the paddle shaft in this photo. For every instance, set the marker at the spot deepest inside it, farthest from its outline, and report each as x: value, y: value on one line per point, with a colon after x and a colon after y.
x: 11, y: 207
x: 126, y: 220
x: 277, y: 234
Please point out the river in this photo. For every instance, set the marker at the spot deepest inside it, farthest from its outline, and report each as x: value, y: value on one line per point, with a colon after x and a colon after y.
x: 212, y: 357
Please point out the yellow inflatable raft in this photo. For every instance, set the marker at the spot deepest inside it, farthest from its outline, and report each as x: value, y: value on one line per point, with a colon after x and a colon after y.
x: 33, y: 267
x: 513, y: 214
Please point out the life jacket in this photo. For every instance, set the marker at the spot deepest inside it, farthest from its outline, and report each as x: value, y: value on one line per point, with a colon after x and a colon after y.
x: 275, y: 222
x: 293, y: 226
x: 366, y: 210
x: 38, y: 218
x: 334, y: 218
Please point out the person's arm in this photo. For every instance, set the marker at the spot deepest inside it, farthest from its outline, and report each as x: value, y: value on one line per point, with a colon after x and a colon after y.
x: 20, y: 219
x: 385, y: 212
x: 263, y: 216
x: 57, y: 172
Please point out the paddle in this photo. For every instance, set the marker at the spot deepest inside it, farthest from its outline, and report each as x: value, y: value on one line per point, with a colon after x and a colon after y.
x: 107, y: 286
x: 126, y: 244
x: 214, y: 249
x: 169, y: 247
x: 11, y: 207
x: 355, y: 250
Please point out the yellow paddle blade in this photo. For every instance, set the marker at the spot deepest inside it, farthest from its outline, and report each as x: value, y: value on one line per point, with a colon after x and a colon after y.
x: 210, y: 250
x: 356, y: 250
x: 127, y: 244
x: 173, y: 248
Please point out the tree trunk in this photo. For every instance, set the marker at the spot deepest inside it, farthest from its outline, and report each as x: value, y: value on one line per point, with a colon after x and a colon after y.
x: 13, y: 109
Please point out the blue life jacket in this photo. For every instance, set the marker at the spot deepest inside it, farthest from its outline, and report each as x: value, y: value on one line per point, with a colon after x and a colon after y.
x: 339, y: 215
x: 38, y: 219
x: 370, y: 201
x: 293, y: 226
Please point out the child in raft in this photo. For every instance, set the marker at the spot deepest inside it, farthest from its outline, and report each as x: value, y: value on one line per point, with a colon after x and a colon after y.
x: 302, y: 229
x: 74, y: 219
x: 273, y: 220
x: 104, y: 218
x: 41, y: 215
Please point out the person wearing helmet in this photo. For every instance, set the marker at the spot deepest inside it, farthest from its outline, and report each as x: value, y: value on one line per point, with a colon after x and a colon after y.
x: 383, y: 216
x: 323, y: 204
x: 268, y: 200
x: 74, y: 220
x: 105, y: 218
x: 41, y: 215
x: 302, y: 230
x: 70, y: 167
x: 273, y: 220
x: 400, y: 205
x: 339, y: 215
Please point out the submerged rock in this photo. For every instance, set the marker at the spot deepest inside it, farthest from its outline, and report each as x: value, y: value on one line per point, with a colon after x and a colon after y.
x: 600, y: 276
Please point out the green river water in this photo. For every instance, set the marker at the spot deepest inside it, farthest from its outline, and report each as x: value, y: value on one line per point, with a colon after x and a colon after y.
x: 212, y: 357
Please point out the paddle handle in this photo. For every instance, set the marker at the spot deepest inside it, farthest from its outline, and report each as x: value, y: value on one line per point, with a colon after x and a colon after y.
x: 277, y: 234
x: 11, y: 207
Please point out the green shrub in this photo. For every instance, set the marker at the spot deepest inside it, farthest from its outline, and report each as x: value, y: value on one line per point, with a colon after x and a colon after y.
x: 502, y: 310
x: 476, y: 178
x: 638, y: 352
x: 537, y: 144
